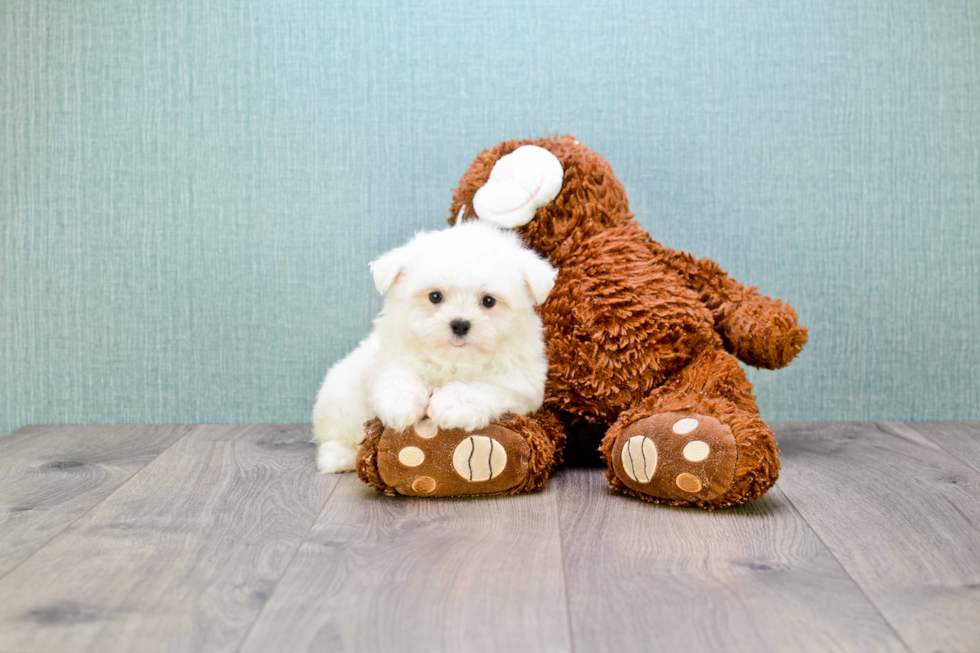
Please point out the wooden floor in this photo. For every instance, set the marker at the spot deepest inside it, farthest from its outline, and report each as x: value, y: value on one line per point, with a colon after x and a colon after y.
x: 224, y: 538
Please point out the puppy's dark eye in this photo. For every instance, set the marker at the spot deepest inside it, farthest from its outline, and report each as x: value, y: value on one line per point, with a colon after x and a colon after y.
x: 435, y: 297
x: 489, y: 301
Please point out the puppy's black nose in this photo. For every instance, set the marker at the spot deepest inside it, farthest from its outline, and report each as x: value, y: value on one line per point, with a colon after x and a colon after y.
x: 460, y: 327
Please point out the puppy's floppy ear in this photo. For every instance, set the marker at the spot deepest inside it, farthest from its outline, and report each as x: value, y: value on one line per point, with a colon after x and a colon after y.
x: 538, y: 275
x: 387, y: 267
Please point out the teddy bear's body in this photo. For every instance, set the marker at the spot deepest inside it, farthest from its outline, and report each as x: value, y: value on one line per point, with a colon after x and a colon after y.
x: 619, y: 323
x: 643, y: 341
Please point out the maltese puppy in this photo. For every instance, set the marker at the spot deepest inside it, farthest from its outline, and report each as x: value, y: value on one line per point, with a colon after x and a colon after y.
x: 458, y: 340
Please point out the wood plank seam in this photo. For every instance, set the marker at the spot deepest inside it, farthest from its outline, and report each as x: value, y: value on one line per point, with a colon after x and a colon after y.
x: 902, y: 515
x: 272, y: 592
x: 422, y: 598
x: 97, y: 503
x: 564, y: 576
x: 183, y: 557
x: 833, y: 554
x: 939, y: 443
x: 759, y: 571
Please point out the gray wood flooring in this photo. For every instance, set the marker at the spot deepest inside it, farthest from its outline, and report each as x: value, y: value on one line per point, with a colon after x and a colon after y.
x: 224, y: 538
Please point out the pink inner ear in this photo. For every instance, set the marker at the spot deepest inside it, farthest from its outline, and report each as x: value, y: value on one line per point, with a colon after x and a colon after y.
x: 501, y: 172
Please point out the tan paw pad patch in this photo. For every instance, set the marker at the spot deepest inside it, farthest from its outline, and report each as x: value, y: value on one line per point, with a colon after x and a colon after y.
x: 684, y: 426
x: 688, y: 482
x: 696, y: 451
x: 411, y: 457
x: 640, y: 459
x: 479, y: 458
x: 426, y: 428
x: 424, y: 484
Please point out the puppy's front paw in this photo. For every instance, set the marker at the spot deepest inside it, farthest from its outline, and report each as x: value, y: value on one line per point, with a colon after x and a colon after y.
x: 403, y: 409
x: 451, y: 408
x: 333, y: 457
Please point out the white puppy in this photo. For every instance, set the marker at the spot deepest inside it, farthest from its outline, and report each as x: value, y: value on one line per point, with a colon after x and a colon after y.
x: 458, y: 340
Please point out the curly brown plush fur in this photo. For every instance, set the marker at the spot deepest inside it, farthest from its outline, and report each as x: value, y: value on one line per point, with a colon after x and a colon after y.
x: 634, y: 328
x: 367, y: 458
x: 546, y: 437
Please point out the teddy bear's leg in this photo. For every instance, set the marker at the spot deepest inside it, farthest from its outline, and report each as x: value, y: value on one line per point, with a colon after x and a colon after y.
x: 697, y: 440
x: 513, y: 455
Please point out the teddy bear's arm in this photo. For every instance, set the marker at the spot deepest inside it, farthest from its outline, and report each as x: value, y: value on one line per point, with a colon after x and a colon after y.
x: 759, y: 330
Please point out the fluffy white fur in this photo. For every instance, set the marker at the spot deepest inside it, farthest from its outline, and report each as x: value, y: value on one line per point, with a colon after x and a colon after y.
x: 413, y: 365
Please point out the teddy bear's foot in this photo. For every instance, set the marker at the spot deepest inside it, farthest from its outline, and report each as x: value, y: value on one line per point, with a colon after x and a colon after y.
x: 425, y: 461
x: 675, y: 457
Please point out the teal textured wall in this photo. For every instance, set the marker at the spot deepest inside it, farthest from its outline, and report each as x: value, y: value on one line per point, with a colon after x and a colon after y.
x: 190, y: 192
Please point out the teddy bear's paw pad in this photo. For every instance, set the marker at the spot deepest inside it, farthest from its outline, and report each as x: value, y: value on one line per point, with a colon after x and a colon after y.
x: 479, y: 458
x: 426, y: 461
x: 676, y: 456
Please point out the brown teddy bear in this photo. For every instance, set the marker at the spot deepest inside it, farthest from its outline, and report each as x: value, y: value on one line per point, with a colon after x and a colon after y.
x: 643, y: 343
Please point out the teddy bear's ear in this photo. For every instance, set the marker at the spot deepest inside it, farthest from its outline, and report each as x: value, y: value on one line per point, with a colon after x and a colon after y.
x: 387, y: 267
x: 520, y: 183
x: 539, y: 276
